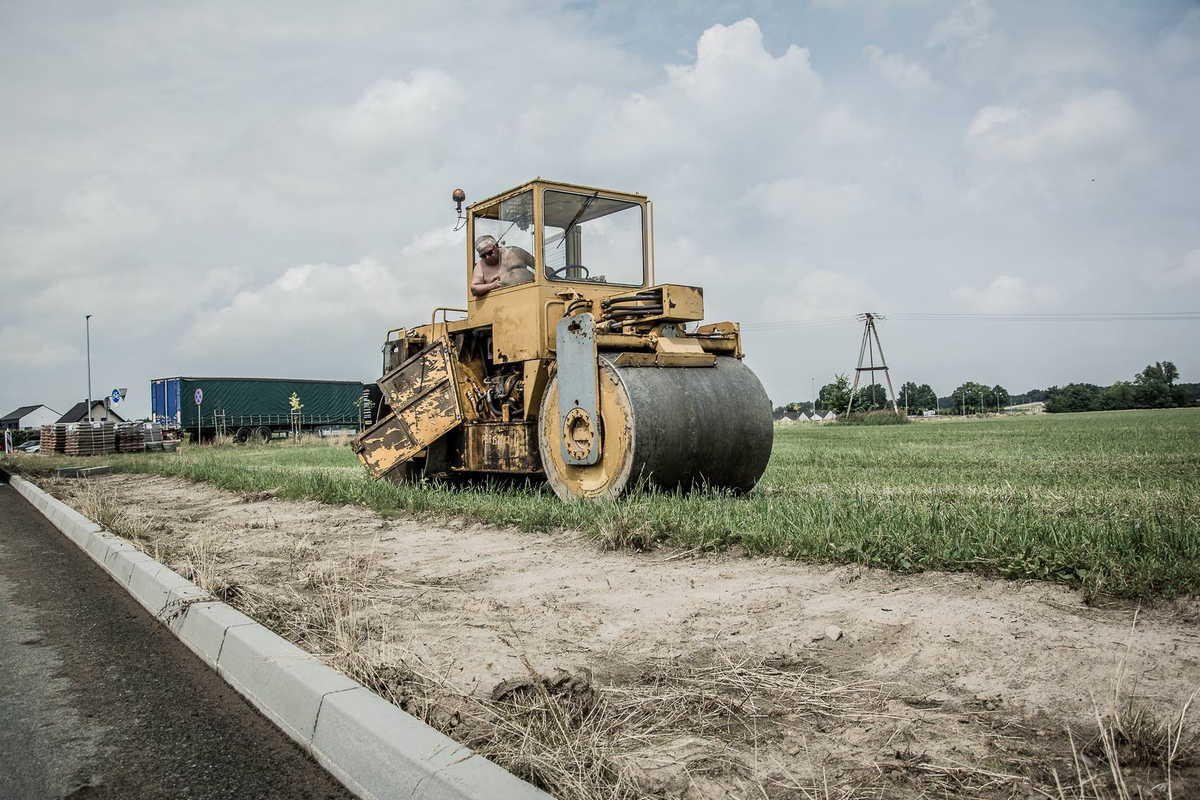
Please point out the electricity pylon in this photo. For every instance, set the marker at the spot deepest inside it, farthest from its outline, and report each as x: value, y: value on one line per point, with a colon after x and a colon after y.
x: 870, y: 342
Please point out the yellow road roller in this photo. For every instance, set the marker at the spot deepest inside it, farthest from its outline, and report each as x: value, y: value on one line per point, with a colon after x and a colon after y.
x: 569, y: 361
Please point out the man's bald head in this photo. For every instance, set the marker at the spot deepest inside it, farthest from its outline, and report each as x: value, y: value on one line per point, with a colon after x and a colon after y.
x: 485, y: 243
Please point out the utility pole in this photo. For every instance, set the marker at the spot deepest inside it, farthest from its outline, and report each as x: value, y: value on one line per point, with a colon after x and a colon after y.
x: 87, y: 325
x: 870, y: 342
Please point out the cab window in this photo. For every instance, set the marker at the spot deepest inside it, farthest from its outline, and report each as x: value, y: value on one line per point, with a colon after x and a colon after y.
x: 590, y: 238
x: 509, y: 221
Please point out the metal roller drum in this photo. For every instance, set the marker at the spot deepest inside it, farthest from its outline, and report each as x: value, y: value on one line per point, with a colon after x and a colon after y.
x: 672, y: 426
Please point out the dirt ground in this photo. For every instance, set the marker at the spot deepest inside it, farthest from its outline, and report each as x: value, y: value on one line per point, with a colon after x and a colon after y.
x: 942, y: 679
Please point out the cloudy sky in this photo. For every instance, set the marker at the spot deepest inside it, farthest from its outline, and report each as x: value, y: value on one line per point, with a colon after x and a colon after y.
x: 262, y: 189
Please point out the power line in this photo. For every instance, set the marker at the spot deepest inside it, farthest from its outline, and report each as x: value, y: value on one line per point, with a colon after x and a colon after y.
x: 1109, y: 316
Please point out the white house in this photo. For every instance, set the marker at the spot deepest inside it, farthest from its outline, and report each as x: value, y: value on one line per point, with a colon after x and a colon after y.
x: 830, y: 416
x: 1026, y: 408
x: 101, y: 412
x: 28, y: 417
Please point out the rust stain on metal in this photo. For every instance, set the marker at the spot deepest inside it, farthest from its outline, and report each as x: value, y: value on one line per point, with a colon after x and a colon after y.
x: 502, y: 447
x: 423, y: 394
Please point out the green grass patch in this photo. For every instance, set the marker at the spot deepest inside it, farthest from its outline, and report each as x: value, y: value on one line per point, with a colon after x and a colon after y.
x: 873, y: 418
x: 1108, y: 501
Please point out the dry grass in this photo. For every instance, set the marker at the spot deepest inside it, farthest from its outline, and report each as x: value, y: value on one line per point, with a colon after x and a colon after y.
x: 647, y: 736
x: 92, y: 501
x: 673, y: 725
x: 725, y: 726
x: 1132, y: 735
x: 310, y: 439
x: 666, y: 726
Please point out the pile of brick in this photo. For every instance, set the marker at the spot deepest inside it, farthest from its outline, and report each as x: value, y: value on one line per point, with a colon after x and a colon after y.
x: 90, y: 439
x: 152, y: 436
x: 54, y: 438
x: 130, y: 437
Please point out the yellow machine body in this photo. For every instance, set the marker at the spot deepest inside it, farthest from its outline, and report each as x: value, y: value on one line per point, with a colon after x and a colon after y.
x: 647, y: 395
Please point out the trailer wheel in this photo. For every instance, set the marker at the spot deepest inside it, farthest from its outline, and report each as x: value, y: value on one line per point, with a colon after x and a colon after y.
x: 263, y: 433
x: 242, y: 435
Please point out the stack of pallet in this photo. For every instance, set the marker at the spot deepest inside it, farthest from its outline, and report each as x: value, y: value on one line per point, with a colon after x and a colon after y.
x: 90, y: 439
x: 54, y: 438
x: 130, y: 438
x: 152, y: 436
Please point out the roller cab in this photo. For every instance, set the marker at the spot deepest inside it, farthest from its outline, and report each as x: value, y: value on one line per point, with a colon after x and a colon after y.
x: 579, y: 367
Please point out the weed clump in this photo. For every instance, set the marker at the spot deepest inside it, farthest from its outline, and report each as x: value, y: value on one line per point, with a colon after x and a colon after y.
x: 872, y: 418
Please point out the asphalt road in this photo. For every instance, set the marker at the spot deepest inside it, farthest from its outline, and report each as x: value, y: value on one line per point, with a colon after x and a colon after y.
x: 97, y: 700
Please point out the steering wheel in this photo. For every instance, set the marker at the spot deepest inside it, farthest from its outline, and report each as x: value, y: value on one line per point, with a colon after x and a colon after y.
x: 565, y: 267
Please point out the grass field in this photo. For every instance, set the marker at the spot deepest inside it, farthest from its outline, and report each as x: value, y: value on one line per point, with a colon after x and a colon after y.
x: 1106, y: 501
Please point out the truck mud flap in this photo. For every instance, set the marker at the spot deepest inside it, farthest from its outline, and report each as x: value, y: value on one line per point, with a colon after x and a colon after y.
x: 423, y: 395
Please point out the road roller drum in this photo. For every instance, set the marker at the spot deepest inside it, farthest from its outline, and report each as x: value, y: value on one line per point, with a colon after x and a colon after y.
x: 668, y: 428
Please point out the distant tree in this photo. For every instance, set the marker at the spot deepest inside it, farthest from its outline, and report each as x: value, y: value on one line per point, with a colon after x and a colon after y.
x: 970, y: 398
x: 1000, y: 397
x: 835, y: 396
x: 1073, y: 397
x: 917, y: 398
x: 1121, y: 394
x: 804, y: 407
x: 872, y: 397
x: 1154, y: 387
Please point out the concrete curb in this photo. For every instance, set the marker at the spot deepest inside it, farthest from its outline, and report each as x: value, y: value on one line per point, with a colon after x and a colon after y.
x: 375, y: 749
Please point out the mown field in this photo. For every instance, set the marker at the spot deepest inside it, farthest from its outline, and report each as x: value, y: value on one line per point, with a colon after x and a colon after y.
x: 1106, y: 501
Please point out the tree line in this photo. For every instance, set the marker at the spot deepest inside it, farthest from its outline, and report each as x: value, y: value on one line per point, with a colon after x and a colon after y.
x: 1154, y: 387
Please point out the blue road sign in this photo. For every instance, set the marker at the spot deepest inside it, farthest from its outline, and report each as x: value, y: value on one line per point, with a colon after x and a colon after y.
x: 116, y: 395
x: 199, y: 396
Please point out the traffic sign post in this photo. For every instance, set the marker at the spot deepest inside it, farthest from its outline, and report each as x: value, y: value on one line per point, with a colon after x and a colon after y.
x: 198, y: 396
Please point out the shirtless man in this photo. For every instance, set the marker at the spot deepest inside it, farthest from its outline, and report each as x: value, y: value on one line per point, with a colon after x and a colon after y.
x: 499, y: 265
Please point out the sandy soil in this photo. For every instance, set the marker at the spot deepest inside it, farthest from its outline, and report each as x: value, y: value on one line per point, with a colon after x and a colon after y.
x: 969, y: 668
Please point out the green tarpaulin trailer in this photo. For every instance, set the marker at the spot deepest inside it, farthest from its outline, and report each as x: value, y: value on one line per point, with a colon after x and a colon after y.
x: 258, y: 407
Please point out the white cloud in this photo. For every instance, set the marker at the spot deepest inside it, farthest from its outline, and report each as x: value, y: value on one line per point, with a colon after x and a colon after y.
x: 1064, y: 56
x: 898, y: 70
x: 1007, y: 294
x: 840, y: 127
x: 809, y: 202
x: 395, y: 113
x: 1181, y: 45
x: 1186, y: 274
x: 969, y: 21
x: 219, y: 193
x: 735, y: 99
x: 819, y: 294
x: 1098, y: 125
x: 84, y: 226
x: 24, y: 348
x: 326, y: 311
x: 733, y: 73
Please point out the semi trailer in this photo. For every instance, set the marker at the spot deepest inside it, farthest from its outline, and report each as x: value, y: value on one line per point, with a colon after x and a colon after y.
x: 256, y: 408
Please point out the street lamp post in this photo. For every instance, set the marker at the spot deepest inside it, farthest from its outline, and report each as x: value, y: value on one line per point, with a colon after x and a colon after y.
x: 87, y: 324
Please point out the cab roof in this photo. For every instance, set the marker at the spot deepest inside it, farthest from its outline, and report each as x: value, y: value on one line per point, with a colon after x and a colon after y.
x: 555, y: 185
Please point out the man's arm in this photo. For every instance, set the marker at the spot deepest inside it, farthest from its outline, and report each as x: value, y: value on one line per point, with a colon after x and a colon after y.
x: 479, y: 285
